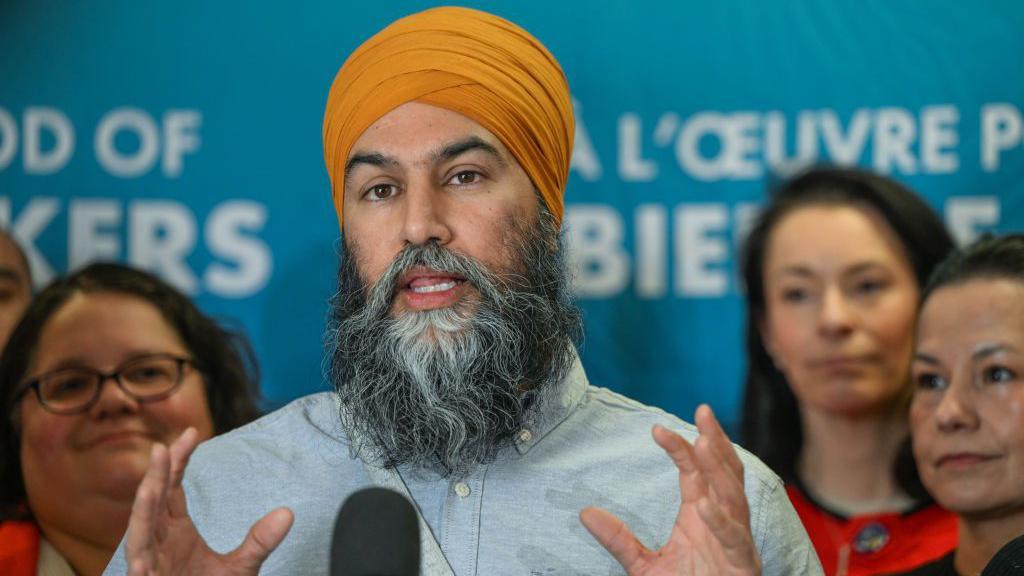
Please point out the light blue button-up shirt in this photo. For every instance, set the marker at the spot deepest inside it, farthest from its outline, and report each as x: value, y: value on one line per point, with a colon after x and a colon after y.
x: 518, y: 515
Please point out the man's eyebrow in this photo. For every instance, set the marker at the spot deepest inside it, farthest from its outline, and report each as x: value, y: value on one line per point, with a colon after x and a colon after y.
x: 447, y: 152
x: 460, y: 147
x: 371, y: 158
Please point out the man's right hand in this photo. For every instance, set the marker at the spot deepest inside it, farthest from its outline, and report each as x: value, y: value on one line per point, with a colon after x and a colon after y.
x: 162, y: 540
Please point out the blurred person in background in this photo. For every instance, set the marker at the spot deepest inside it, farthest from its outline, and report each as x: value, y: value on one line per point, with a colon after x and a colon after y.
x: 15, y: 284
x: 833, y: 270
x: 967, y: 414
x: 103, y: 364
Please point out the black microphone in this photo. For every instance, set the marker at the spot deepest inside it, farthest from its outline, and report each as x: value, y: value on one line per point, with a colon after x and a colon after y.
x: 376, y: 534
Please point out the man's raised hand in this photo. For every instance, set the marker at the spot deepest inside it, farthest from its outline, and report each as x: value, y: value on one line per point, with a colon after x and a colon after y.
x: 711, y: 535
x: 161, y: 538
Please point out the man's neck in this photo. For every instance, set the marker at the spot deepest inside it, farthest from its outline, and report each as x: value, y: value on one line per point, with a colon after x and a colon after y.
x: 979, y: 540
x: 846, y: 463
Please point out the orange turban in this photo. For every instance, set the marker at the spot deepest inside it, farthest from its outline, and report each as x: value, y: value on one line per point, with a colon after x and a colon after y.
x: 467, y: 61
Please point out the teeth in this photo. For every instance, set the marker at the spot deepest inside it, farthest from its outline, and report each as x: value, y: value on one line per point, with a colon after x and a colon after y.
x: 434, y: 288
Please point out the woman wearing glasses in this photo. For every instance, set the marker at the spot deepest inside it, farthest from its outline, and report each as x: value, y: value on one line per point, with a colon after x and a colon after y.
x: 104, y: 363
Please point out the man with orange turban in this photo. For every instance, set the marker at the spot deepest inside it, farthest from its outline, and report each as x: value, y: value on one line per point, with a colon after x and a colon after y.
x: 447, y: 140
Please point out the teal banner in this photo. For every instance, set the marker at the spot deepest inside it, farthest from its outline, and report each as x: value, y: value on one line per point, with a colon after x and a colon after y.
x: 184, y: 137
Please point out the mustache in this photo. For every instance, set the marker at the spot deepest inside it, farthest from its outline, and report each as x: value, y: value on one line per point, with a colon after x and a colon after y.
x: 435, y: 257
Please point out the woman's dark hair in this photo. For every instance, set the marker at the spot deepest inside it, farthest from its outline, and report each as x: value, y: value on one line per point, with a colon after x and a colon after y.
x: 224, y: 358
x: 991, y: 258
x: 770, y: 425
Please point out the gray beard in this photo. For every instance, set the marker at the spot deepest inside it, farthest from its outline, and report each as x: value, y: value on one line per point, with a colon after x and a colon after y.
x: 447, y: 389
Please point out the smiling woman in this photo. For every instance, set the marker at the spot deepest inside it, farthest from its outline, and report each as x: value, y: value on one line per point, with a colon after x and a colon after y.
x: 104, y: 364
x: 967, y: 415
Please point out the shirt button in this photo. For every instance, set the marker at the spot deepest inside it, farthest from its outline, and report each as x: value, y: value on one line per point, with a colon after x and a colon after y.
x: 525, y: 435
x: 462, y: 489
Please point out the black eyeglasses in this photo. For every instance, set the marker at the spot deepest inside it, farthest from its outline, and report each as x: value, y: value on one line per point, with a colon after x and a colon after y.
x: 73, y: 390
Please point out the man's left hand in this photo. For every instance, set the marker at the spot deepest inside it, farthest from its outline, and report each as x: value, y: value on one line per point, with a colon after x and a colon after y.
x: 711, y: 535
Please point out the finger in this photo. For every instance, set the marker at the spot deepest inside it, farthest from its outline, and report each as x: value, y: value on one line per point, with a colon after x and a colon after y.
x: 264, y: 536
x: 692, y: 485
x: 677, y: 448
x: 725, y: 489
x: 141, y: 538
x: 138, y: 568
x: 709, y: 427
x: 718, y: 460
x: 734, y: 539
x: 180, y: 452
x: 613, y: 535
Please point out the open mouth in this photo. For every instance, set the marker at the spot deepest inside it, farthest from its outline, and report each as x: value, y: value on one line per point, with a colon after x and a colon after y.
x: 424, y: 289
x: 427, y: 285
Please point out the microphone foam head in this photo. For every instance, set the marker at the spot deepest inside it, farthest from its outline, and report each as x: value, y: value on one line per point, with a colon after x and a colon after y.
x: 376, y: 534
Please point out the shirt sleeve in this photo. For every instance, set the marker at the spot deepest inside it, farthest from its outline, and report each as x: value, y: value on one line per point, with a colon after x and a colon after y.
x: 778, y: 534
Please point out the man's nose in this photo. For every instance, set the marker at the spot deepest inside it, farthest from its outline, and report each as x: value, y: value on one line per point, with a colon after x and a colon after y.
x: 426, y: 215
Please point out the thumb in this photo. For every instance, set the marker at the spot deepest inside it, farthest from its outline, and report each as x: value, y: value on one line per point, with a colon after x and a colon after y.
x: 264, y: 536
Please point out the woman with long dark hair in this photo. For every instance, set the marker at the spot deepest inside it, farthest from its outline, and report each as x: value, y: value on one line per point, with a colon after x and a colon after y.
x: 833, y: 269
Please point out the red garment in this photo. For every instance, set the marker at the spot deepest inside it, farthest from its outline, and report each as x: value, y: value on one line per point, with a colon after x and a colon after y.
x: 19, y: 548
x: 875, y: 543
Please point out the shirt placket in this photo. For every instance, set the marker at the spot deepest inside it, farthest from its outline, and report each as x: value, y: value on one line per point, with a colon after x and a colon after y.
x: 461, y: 531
